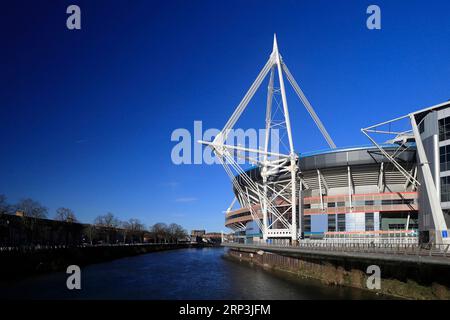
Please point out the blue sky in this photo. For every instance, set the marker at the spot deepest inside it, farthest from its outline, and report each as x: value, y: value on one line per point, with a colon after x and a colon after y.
x: 86, y: 116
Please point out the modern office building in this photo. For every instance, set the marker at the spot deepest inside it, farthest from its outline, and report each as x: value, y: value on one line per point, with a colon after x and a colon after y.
x: 434, y: 129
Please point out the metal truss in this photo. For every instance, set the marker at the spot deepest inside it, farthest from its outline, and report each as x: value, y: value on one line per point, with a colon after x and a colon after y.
x: 400, y: 137
x: 276, y: 200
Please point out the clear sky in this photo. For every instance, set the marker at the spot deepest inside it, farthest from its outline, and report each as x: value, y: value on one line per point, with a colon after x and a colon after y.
x: 86, y: 116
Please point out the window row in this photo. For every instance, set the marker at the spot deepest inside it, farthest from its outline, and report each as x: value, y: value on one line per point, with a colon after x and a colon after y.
x: 444, y: 129
x: 444, y: 157
x: 445, y: 189
x: 361, y: 203
x: 332, y: 226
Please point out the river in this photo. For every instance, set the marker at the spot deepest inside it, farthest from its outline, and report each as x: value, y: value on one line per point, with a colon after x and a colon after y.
x: 196, y: 273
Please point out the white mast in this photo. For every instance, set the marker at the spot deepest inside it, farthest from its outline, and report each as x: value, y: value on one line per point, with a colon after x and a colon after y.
x: 278, y: 200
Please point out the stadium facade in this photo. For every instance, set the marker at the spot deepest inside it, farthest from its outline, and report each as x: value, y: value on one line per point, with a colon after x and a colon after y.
x: 394, y: 191
x: 345, y: 193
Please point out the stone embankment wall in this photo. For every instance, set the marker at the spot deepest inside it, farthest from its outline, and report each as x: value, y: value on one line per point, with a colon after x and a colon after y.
x: 403, y: 280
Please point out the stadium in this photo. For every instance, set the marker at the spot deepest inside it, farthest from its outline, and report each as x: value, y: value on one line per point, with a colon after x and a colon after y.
x: 393, y: 191
x: 345, y: 193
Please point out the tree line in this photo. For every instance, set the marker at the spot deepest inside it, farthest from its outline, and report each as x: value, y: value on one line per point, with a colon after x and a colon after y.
x: 105, y: 228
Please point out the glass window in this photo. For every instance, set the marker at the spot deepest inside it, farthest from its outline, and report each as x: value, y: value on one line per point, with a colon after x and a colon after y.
x: 396, y: 226
x: 445, y: 189
x: 397, y: 202
x: 422, y: 126
x: 331, y: 222
x: 307, y: 223
x: 444, y: 158
x: 341, y: 222
x: 444, y: 129
x: 370, y: 222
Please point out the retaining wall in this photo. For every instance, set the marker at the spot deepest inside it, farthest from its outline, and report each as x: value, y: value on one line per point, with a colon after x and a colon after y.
x: 405, y: 279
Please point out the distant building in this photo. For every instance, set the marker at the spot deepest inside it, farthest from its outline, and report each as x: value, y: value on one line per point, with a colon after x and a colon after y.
x: 186, y: 239
x: 213, y: 237
x: 196, y: 235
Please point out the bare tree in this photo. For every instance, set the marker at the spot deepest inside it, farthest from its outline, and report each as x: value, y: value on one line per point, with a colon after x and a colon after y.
x: 4, y: 207
x: 33, y: 211
x: 125, y: 229
x: 65, y: 214
x: 181, y: 232
x: 176, y: 232
x: 90, y: 232
x: 160, y: 232
x: 136, y: 225
x: 137, y: 229
x: 132, y: 228
x: 108, y: 221
x: 32, y: 208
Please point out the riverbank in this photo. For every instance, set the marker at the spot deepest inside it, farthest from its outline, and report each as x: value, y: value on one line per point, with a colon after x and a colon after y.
x: 406, y: 281
x: 21, y: 263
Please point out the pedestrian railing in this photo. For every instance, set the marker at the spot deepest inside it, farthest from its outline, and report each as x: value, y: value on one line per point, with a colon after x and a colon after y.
x: 57, y: 247
x: 431, y: 250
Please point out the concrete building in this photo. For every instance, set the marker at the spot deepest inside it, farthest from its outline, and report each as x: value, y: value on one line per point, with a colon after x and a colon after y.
x: 197, y: 235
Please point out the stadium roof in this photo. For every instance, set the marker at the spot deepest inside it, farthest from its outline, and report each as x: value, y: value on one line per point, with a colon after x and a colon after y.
x: 353, y: 148
x: 344, y: 149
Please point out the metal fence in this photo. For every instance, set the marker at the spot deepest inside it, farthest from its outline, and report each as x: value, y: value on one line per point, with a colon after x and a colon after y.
x: 410, y: 238
x: 57, y: 247
x: 429, y: 250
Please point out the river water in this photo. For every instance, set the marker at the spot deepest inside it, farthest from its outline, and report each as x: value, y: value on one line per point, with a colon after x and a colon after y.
x: 196, y: 273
